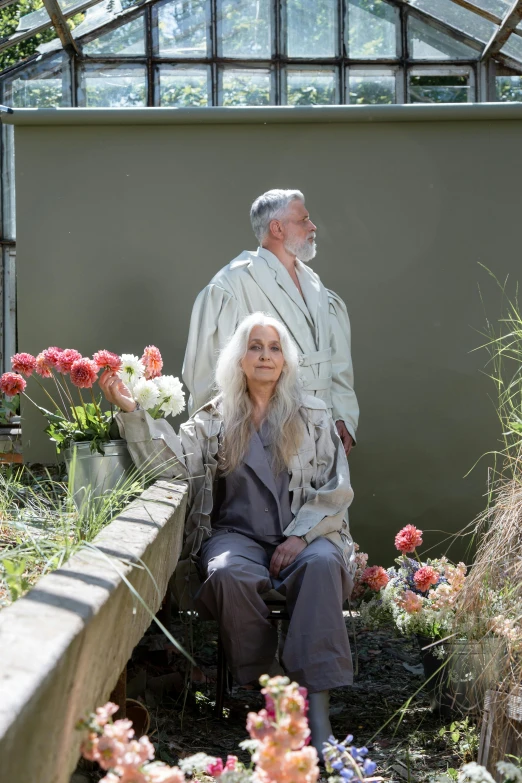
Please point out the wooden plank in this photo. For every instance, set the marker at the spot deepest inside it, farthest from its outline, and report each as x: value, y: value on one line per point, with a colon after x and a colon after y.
x: 60, y: 25
x: 64, y: 645
x: 499, y: 38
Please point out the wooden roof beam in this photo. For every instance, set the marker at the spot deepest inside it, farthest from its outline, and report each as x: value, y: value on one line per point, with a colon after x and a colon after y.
x: 63, y: 30
x: 500, y: 36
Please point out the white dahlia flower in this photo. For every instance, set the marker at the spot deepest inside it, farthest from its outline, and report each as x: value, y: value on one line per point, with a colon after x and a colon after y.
x: 146, y: 393
x: 132, y: 369
x: 171, y: 394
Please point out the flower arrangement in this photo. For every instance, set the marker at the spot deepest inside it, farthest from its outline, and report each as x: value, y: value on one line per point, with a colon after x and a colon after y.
x: 417, y: 597
x: 70, y: 372
x: 279, y: 737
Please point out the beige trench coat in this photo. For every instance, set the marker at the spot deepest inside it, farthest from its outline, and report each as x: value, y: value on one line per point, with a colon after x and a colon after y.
x: 319, y: 478
x: 319, y: 325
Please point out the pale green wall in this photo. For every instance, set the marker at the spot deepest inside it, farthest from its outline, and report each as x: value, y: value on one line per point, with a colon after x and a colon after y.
x: 119, y: 227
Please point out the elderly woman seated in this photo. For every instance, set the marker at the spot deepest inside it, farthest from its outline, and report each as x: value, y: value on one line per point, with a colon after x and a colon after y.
x: 268, y: 492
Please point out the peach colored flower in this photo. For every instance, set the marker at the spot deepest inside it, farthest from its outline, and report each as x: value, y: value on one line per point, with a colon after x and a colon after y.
x: 153, y: 362
x: 66, y: 359
x: 107, y: 360
x: 120, y: 730
x: 160, y: 773
x: 111, y: 777
x: 89, y: 747
x: 443, y: 596
x: 11, y: 384
x: 294, y: 702
x: 301, y: 765
x: 375, y: 577
x: 104, y: 713
x: 408, y: 539
x: 293, y: 731
x: 258, y: 725
x: 110, y: 752
x: 456, y: 576
x: 425, y: 577
x: 410, y: 602
x: 23, y: 363
x: 83, y: 373
x: 52, y: 355
x: 130, y: 774
x: 43, y: 367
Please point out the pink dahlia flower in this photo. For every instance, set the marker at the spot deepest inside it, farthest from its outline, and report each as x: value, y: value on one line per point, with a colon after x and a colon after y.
x: 408, y: 539
x: 375, y: 577
x: 66, y: 359
x: 43, y: 367
x: 106, y: 360
x: 84, y: 373
x: 425, y: 577
x: 23, y: 363
x: 11, y: 384
x: 411, y: 602
x: 52, y: 355
x: 153, y: 362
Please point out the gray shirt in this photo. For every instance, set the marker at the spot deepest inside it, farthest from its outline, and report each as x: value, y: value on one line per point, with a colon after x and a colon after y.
x: 252, y: 500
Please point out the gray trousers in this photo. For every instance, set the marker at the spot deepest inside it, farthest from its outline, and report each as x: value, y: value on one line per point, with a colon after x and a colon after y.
x: 316, y: 652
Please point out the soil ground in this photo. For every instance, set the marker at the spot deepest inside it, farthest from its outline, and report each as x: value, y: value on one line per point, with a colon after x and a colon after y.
x: 386, y: 709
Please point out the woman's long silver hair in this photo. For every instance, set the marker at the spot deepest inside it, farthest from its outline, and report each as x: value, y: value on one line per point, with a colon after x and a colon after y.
x: 285, y: 426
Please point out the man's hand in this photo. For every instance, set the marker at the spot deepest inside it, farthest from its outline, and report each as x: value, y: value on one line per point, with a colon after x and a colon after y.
x: 345, y: 436
x: 285, y: 554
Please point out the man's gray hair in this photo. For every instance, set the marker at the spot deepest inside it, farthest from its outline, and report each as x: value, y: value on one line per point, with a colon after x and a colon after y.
x: 272, y: 205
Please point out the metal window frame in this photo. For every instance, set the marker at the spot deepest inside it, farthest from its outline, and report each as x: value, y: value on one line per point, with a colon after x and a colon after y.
x: 444, y: 70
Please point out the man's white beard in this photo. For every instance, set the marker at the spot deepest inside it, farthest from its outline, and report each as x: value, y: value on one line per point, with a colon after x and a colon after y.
x: 304, y: 250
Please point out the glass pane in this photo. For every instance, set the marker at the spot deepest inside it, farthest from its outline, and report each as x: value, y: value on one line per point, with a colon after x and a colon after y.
x: 37, y: 87
x: 32, y: 20
x: 244, y: 28
x: 245, y: 88
x: 498, y: 7
x: 509, y: 88
x: 182, y: 29
x: 312, y: 28
x: 427, y: 43
x: 457, y: 17
x: 305, y: 88
x: 371, y: 87
x: 437, y: 88
x: 513, y: 47
x: 179, y: 86
x: 372, y: 29
x: 113, y: 85
x: 127, y: 39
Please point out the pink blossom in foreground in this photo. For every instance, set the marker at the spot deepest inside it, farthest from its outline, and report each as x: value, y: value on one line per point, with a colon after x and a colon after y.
x: 425, y: 577
x: 43, y: 366
x: 410, y: 602
x: 104, y: 713
x: 66, y: 359
x: 375, y: 577
x: 161, y: 773
x: 107, y: 360
x: 84, y: 373
x: 52, y: 355
x: 153, y: 362
x: 408, y: 539
x: 23, y: 363
x: 456, y: 576
x: 11, y: 384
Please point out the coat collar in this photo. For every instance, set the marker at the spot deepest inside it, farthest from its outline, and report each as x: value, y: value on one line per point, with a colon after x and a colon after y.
x: 273, y: 268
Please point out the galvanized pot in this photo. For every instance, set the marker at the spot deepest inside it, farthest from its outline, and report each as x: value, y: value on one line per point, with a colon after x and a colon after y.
x: 96, y: 474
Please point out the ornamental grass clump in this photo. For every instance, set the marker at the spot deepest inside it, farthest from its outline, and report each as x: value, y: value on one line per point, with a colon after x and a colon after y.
x: 70, y: 372
x: 279, y: 737
x: 416, y: 597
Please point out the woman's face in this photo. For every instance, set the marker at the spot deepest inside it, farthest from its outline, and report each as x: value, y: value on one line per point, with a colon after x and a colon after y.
x: 263, y: 361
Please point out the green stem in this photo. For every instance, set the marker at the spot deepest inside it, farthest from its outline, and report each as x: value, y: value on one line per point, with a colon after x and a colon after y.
x: 82, y: 402
x: 57, y: 407
x: 73, y: 406
x: 59, y: 390
x: 96, y: 408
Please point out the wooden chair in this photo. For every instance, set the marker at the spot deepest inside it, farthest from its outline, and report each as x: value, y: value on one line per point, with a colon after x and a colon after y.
x: 276, y: 605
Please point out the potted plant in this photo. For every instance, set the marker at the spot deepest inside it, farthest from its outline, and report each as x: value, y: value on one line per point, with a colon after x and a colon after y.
x: 87, y: 434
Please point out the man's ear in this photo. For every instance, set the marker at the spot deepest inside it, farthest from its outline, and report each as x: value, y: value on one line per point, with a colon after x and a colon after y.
x: 276, y: 229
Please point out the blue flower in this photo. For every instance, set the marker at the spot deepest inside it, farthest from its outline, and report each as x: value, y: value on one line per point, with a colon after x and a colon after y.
x: 337, y: 765
x: 346, y: 774
x: 369, y: 767
x: 348, y: 739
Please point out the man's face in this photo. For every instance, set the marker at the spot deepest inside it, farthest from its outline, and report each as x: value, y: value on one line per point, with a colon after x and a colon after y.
x: 299, y: 232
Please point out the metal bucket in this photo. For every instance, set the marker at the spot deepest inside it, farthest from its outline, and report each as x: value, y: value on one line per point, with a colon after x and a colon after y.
x: 96, y: 474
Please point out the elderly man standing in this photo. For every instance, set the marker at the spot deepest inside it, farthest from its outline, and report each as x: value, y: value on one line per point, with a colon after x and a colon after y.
x: 275, y: 279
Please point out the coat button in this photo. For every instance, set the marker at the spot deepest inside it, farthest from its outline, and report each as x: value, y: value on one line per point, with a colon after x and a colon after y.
x: 266, y: 510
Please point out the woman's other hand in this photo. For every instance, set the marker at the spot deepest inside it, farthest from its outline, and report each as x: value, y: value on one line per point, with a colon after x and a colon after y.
x: 285, y: 554
x: 116, y: 392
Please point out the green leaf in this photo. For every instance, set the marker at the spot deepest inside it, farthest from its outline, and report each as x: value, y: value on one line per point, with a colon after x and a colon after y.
x: 455, y: 736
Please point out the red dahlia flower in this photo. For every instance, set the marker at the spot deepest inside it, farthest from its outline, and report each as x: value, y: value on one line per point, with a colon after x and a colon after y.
x: 52, y: 355
x: 84, y: 373
x: 408, y: 539
x: 11, y: 384
x: 43, y: 366
x: 425, y: 577
x: 23, y: 363
x: 66, y: 360
x: 375, y: 577
x: 106, y: 360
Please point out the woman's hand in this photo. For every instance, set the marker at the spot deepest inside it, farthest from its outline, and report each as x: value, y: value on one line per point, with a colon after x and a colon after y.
x: 285, y: 554
x: 116, y: 392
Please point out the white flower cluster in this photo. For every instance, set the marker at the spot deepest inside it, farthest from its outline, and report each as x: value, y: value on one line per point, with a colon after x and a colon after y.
x: 510, y: 772
x: 474, y: 773
x: 163, y: 395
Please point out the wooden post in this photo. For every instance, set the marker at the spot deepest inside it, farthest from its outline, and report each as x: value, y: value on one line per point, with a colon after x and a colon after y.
x: 501, y: 732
